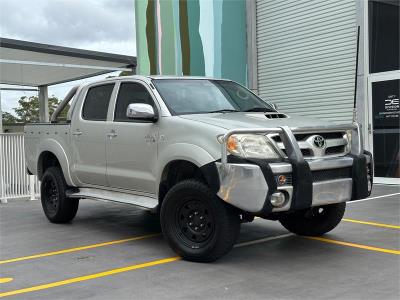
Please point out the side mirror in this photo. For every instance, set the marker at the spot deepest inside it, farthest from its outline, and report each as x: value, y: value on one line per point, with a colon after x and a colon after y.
x: 274, y: 106
x: 141, y: 111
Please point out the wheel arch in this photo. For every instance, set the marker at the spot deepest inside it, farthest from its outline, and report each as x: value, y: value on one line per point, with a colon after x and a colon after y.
x: 52, y: 154
x: 178, y: 170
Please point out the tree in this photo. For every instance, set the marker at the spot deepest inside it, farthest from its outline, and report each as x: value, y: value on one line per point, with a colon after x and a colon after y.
x: 28, y: 109
x: 8, y: 118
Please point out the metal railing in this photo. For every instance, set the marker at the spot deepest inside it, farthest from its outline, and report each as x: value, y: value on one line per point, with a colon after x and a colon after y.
x: 14, y: 180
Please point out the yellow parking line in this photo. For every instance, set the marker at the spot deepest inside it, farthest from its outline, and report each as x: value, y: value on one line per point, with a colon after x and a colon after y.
x: 365, y: 223
x: 89, y: 277
x: 372, y: 223
x: 365, y: 247
x: 79, y: 248
x: 6, y: 279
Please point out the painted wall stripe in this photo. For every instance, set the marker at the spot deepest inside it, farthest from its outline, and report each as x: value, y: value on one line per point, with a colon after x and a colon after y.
x: 178, y: 50
x: 159, y: 37
x: 143, y: 62
x: 206, y: 31
x: 184, y: 36
x: 196, y: 46
x: 151, y: 36
x: 168, y: 38
x: 217, y: 7
x: 234, y: 41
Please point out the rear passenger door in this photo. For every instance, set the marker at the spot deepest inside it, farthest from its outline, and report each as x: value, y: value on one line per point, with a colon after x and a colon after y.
x: 132, y: 144
x: 88, y: 135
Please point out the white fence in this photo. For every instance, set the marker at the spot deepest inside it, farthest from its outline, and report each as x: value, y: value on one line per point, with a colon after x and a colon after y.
x: 14, y: 180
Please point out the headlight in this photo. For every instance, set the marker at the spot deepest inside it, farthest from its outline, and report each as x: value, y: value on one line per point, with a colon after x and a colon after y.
x: 347, y: 137
x: 250, y: 146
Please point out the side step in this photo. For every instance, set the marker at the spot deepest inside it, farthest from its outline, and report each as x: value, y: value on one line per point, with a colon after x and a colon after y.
x: 99, y: 194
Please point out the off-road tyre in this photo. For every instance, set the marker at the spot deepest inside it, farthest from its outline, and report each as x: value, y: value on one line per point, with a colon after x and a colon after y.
x: 315, y: 221
x: 197, y: 224
x: 57, y: 207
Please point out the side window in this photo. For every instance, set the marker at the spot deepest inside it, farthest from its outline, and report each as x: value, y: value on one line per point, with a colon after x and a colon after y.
x: 96, y: 103
x: 130, y: 92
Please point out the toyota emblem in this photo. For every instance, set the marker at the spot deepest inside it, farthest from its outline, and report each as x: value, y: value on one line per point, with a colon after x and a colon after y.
x: 319, y: 141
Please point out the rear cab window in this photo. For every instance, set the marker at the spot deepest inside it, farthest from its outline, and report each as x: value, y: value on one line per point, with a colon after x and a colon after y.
x: 96, y: 103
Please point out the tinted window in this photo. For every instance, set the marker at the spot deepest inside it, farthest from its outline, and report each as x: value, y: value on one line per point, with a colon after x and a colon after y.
x: 96, y: 103
x: 386, y: 127
x: 384, y: 34
x: 130, y: 92
x: 194, y: 96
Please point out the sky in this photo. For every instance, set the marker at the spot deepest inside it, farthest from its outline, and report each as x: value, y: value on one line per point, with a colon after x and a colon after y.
x: 100, y: 25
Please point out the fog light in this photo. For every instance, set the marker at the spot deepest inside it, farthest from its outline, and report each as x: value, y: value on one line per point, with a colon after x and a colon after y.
x: 281, y: 179
x: 278, y: 199
x: 369, y: 185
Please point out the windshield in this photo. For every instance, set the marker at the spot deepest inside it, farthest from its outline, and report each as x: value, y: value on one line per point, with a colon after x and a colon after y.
x: 196, y: 96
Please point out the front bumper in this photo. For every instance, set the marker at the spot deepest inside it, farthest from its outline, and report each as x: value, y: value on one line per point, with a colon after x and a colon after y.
x: 249, y: 184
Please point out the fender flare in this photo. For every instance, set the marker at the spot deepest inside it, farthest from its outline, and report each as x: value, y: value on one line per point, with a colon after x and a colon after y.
x: 54, y: 147
x: 193, y: 154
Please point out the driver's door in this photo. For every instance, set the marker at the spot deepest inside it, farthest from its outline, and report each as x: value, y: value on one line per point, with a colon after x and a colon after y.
x: 132, y: 144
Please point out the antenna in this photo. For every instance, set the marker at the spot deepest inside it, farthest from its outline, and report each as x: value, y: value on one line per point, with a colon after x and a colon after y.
x: 355, y: 76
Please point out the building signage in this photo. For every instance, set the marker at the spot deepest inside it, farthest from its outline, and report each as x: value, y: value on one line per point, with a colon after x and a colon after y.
x: 386, y: 104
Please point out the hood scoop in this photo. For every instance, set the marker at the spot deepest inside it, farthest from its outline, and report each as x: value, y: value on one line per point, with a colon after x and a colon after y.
x: 275, y: 115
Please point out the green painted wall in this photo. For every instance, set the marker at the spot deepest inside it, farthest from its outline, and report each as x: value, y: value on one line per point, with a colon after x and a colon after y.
x: 192, y: 37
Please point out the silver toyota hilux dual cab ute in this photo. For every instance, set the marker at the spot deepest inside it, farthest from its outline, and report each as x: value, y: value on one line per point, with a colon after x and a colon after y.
x: 204, y: 154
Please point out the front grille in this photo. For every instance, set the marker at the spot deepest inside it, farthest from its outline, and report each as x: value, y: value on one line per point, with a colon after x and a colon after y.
x: 331, y: 174
x: 325, y: 135
x: 335, y: 143
x: 306, y: 152
x: 335, y: 150
x: 304, y: 136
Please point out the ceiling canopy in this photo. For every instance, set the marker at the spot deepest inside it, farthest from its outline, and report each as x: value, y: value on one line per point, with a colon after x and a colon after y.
x: 34, y: 64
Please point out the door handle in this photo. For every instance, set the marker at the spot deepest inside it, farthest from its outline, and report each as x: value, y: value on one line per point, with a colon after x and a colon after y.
x: 112, y: 134
x: 77, y: 132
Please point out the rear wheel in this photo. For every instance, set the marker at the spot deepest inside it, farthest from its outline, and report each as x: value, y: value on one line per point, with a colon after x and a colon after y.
x: 197, y: 224
x: 56, y: 206
x: 314, y: 221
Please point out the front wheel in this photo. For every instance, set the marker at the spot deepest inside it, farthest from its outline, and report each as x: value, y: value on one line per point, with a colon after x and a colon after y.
x: 315, y: 221
x: 196, y: 223
x: 57, y: 207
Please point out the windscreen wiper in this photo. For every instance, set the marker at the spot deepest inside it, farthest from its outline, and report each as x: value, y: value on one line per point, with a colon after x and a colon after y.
x: 222, y: 111
x: 259, y: 109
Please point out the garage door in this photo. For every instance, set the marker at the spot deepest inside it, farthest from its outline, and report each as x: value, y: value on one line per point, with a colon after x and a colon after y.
x: 306, y: 56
